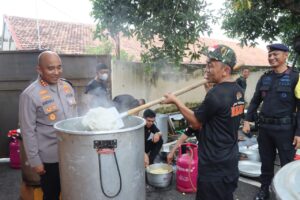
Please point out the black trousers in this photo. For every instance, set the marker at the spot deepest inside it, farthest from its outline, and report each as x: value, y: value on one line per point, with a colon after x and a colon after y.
x: 268, y: 141
x: 216, y: 190
x: 50, y: 182
x: 153, y: 148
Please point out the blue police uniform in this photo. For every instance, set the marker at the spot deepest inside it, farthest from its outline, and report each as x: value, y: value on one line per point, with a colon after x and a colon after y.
x: 279, y: 116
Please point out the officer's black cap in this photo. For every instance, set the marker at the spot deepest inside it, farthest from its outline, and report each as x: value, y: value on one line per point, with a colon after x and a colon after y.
x: 277, y: 47
x: 101, y: 66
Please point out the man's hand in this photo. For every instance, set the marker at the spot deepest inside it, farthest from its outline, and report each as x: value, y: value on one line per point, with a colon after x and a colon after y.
x: 296, y: 142
x: 146, y: 160
x: 170, y: 157
x: 39, y: 169
x: 169, y: 98
x: 156, y: 137
x: 246, y: 127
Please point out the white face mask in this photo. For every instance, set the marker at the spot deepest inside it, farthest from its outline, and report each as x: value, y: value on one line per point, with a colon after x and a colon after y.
x: 103, y: 77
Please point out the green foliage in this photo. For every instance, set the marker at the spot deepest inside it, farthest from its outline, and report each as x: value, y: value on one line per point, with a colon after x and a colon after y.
x: 172, y: 108
x: 249, y: 20
x: 124, y: 56
x: 104, y: 48
x: 175, y: 24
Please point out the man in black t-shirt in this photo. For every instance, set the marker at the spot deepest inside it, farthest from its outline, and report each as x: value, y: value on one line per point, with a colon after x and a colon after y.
x: 242, y: 80
x: 153, y: 138
x: 215, y: 122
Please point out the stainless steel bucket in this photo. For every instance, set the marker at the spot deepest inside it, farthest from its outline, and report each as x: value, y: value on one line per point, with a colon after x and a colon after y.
x: 162, y: 125
x: 122, y: 176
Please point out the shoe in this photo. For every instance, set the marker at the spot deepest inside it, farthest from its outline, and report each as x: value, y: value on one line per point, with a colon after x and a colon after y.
x: 262, y: 194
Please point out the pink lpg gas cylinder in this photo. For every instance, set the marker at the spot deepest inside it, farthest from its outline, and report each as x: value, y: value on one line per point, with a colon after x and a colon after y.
x: 187, y: 168
x: 14, y: 154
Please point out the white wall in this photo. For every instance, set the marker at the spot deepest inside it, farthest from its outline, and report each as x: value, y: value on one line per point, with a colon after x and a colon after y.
x: 132, y: 78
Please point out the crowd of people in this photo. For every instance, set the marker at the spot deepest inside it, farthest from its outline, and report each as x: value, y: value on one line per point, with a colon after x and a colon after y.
x: 215, y: 122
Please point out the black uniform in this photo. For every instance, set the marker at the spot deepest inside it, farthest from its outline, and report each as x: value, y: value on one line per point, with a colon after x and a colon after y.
x: 150, y: 146
x: 220, y: 115
x: 277, y: 121
x: 241, y: 81
x: 99, y: 93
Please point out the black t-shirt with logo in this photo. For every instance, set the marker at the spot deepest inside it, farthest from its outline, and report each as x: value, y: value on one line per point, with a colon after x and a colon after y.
x: 97, y: 88
x: 220, y: 114
x: 149, y: 132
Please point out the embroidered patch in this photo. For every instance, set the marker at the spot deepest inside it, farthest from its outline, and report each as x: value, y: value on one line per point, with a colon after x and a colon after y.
x: 43, y: 83
x: 239, y: 95
x: 52, y: 117
x: 51, y: 108
x: 285, y: 81
x: 283, y: 95
x: 43, y: 92
x: 48, y: 102
x: 267, y: 80
x: 46, y: 97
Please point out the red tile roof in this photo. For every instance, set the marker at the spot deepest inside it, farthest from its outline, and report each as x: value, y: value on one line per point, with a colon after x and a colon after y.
x: 73, y: 38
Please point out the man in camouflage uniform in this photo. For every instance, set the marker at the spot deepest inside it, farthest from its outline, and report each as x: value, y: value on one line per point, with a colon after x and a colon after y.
x: 47, y: 100
x: 215, y: 123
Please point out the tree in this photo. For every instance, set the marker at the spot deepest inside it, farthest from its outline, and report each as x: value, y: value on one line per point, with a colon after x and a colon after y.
x: 249, y: 20
x: 165, y: 28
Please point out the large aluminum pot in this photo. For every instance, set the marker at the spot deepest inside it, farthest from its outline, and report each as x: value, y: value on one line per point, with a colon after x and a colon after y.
x: 80, y: 164
x: 159, y: 175
x: 162, y: 125
x: 286, y: 182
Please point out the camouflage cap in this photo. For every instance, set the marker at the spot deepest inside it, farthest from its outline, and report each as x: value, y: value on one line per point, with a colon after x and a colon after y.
x: 223, y: 54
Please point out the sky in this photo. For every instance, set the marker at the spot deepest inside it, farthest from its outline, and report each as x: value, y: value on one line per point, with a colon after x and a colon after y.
x: 77, y: 11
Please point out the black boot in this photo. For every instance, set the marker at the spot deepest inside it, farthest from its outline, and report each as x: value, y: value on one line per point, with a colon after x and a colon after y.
x: 262, y: 194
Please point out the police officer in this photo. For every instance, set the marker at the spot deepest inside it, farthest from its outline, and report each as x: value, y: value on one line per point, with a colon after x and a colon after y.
x: 44, y: 102
x: 215, y: 122
x: 279, y: 91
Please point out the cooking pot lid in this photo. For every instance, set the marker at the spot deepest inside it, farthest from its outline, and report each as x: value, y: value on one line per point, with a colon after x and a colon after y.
x: 250, y: 168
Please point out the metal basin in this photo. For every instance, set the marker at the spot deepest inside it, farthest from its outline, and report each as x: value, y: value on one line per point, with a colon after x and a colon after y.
x: 159, y: 175
x: 286, y: 182
x: 250, y: 154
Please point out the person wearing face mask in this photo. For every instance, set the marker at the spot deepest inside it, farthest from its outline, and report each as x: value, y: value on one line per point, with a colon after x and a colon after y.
x: 97, y: 88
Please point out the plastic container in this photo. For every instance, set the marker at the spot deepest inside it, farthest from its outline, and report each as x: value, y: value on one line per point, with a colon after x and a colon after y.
x: 187, y: 168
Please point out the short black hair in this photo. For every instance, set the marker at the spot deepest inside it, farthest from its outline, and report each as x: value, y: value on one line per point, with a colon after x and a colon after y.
x: 149, y: 113
x: 101, y: 66
x: 125, y: 102
x: 142, y: 101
